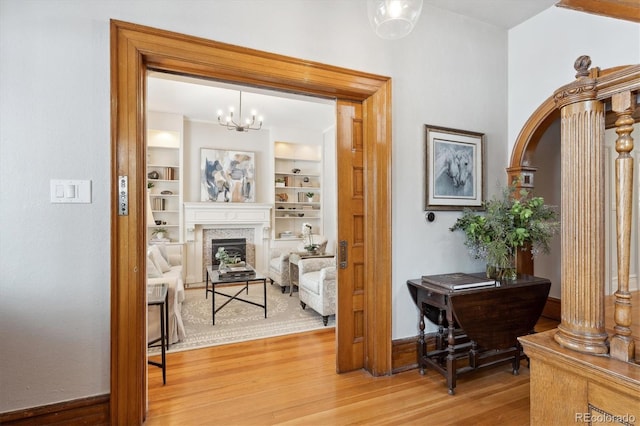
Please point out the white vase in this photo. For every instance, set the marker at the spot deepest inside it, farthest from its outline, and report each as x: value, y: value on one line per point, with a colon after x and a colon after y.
x: 310, y: 199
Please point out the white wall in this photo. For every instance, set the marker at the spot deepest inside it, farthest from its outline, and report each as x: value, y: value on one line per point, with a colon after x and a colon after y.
x: 54, y: 80
x: 198, y: 135
x: 542, y: 51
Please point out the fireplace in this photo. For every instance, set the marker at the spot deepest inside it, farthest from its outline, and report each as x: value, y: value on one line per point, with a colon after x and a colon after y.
x: 204, y: 222
x: 235, y: 247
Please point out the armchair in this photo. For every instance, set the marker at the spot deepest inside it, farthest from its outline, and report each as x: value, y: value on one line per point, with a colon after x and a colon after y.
x: 279, y: 267
x: 279, y: 261
x: 317, y: 285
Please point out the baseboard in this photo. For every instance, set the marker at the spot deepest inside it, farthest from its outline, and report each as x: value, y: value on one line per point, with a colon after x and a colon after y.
x: 85, y: 411
x: 552, y: 309
x: 404, y: 352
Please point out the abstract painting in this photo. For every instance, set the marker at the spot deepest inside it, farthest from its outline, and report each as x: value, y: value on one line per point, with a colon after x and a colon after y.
x: 227, y: 176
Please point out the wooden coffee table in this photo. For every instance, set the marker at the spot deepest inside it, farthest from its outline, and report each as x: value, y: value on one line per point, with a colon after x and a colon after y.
x: 294, y: 258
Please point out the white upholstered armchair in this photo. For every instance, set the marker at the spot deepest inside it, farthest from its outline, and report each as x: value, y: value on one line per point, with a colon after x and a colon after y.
x: 279, y: 267
x: 279, y: 260
x: 317, y: 285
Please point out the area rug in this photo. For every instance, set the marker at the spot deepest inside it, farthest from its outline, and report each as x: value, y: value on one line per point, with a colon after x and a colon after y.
x: 239, y: 321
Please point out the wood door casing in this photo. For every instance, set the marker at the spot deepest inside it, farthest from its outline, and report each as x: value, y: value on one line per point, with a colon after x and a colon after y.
x: 136, y: 49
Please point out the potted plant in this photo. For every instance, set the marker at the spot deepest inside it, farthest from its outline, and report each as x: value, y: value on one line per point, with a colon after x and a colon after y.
x: 280, y: 183
x: 309, y: 244
x: 225, y: 259
x: 509, y: 223
x: 159, y: 233
x: 309, y: 196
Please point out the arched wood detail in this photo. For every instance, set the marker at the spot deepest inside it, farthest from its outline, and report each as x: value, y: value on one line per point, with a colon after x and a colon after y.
x: 520, y: 166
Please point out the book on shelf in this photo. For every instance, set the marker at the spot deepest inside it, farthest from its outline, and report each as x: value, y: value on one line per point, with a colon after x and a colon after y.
x: 458, y: 281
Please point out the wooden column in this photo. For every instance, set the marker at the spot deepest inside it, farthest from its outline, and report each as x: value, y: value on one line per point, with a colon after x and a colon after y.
x: 622, y: 345
x: 582, y: 140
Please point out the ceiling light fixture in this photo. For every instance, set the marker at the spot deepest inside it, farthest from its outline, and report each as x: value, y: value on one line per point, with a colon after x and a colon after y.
x: 393, y: 19
x: 248, y: 124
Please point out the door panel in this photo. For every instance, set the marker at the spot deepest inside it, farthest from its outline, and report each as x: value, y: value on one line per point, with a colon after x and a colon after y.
x: 351, y: 223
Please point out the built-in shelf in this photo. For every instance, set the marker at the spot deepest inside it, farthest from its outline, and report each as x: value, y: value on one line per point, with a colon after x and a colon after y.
x: 298, y: 171
x: 164, y: 173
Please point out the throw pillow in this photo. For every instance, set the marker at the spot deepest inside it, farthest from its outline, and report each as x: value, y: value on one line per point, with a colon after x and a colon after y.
x: 159, y: 260
x: 152, y: 269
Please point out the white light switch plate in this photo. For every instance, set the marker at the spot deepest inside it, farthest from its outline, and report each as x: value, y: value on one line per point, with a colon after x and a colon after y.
x: 70, y: 191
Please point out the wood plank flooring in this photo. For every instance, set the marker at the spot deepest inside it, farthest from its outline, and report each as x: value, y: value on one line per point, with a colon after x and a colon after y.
x: 291, y: 380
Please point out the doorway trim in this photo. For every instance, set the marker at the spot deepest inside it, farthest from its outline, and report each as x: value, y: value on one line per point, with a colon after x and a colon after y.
x: 136, y: 49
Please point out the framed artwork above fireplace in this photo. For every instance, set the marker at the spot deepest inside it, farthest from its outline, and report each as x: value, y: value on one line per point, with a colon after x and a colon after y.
x: 227, y: 176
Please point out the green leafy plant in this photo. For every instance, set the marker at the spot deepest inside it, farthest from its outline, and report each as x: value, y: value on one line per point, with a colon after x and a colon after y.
x: 509, y: 223
x: 225, y: 258
x: 309, y: 194
x: 157, y: 231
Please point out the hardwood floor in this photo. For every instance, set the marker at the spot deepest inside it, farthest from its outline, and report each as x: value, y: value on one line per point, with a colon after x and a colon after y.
x: 292, y: 380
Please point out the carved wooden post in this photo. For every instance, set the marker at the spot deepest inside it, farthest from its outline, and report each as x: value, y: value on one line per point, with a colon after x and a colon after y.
x: 622, y: 345
x: 582, y: 131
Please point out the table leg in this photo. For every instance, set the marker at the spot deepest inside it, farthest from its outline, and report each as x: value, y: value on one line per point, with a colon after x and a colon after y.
x: 421, y: 340
x: 166, y: 319
x: 516, y: 360
x: 440, y: 333
x: 451, y: 356
x: 264, y: 285
x: 206, y: 286
x: 213, y: 304
x: 292, y: 267
x: 163, y: 335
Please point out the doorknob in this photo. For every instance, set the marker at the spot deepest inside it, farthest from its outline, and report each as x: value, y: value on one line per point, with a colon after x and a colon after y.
x: 343, y: 254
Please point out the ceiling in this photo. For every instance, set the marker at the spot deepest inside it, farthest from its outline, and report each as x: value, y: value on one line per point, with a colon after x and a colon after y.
x: 200, y: 100
x: 501, y: 13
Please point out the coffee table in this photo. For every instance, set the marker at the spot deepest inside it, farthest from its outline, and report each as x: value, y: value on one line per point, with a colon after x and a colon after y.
x: 216, y: 279
x: 296, y: 257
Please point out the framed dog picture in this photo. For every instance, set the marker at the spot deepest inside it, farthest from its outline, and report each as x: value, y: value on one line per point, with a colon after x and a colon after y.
x: 227, y: 176
x: 454, y: 169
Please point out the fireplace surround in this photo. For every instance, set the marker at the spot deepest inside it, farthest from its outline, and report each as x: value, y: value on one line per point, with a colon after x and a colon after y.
x: 208, y: 220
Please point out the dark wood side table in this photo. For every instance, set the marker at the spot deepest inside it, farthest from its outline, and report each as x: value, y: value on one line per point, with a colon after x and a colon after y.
x: 158, y: 294
x: 482, y: 324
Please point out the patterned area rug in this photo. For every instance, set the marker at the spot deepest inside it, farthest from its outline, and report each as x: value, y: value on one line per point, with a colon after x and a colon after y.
x: 239, y: 321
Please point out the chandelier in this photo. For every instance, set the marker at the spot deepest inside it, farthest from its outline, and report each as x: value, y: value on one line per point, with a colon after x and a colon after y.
x: 393, y: 19
x: 241, y: 125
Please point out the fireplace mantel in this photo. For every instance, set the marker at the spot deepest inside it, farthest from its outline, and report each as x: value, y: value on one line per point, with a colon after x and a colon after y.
x: 210, y: 215
x: 225, y: 214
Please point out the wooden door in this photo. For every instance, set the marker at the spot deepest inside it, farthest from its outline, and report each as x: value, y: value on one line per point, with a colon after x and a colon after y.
x: 136, y: 48
x: 350, y: 166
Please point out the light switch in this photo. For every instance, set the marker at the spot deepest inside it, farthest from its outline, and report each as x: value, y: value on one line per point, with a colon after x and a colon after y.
x: 70, y: 191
